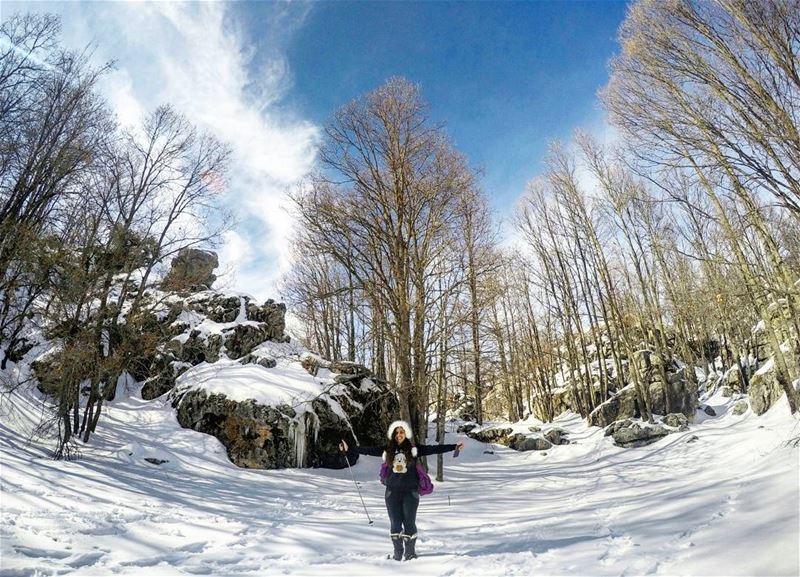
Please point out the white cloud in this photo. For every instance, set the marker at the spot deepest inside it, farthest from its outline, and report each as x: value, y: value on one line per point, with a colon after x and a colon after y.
x: 118, y: 89
x: 235, y: 251
x: 196, y: 57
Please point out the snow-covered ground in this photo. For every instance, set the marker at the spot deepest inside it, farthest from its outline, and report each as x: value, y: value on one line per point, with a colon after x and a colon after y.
x: 719, y: 499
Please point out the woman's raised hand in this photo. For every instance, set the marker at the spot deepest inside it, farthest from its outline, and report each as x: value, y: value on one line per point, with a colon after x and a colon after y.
x: 343, y: 446
x: 459, y: 445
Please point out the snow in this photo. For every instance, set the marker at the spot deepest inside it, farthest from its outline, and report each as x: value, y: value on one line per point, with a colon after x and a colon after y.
x: 206, y: 327
x: 287, y: 383
x: 188, y: 317
x: 242, y: 315
x: 766, y: 367
x: 720, y: 498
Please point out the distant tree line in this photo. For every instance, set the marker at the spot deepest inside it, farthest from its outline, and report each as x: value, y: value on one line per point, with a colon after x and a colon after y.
x: 88, y: 212
x: 682, y: 238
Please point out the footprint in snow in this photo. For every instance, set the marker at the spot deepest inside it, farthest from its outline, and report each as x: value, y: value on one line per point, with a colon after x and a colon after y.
x: 102, y: 530
x: 86, y: 559
x: 729, y: 506
x: 147, y: 562
x: 642, y: 566
x: 42, y: 553
x: 193, y: 547
x: 616, y: 548
x: 226, y: 559
x: 224, y: 566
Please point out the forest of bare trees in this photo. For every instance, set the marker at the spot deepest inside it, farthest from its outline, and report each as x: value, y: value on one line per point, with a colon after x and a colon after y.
x: 673, y: 247
x: 88, y: 211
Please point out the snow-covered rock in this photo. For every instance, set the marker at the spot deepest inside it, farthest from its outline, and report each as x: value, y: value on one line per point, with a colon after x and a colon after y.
x: 521, y: 437
x: 234, y: 374
x: 635, y: 433
x: 466, y: 427
x: 732, y: 381
x: 205, y: 327
x: 490, y: 435
x: 676, y: 420
x: 741, y: 407
x: 764, y: 388
x: 677, y: 395
x: 521, y: 442
x: 282, y: 416
x: 620, y: 406
x: 556, y: 436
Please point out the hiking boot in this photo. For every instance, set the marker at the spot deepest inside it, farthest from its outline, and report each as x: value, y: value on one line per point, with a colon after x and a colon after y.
x: 397, y: 541
x: 411, y: 543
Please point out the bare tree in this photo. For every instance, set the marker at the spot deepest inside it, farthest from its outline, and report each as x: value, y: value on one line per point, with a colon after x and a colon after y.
x: 385, y: 208
x: 53, y: 127
x: 712, y: 89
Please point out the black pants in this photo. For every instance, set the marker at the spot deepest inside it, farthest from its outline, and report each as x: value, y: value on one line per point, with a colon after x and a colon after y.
x: 402, y: 509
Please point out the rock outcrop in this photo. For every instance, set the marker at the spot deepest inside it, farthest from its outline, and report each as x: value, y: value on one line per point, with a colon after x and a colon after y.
x: 306, y: 434
x: 490, y: 435
x: 204, y: 327
x: 227, y: 308
x: 535, y: 440
x: 214, y: 328
x: 556, y: 436
x: 676, y: 421
x: 741, y: 406
x: 676, y: 394
x: 732, y: 382
x: 635, y: 433
x: 621, y: 406
x: 192, y: 269
x: 520, y: 442
x: 764, y: 389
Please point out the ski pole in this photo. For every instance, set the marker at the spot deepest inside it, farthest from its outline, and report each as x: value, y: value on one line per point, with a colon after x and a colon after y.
x: 357, y: 489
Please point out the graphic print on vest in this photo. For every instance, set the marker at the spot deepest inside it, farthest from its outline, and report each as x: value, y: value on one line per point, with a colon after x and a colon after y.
x: 399, y: 465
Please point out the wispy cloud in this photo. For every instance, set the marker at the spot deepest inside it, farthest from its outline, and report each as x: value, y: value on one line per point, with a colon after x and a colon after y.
x: 198, y: 57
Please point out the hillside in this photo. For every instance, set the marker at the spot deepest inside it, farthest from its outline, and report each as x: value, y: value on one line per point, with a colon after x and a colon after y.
x: 246, y: 248
x: 720, y: 498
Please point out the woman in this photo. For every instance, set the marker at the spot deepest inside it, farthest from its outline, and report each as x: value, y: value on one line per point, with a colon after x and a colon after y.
x: 402, y: 497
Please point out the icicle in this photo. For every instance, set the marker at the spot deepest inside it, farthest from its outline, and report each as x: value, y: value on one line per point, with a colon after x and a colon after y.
x: 299, y: 433
x: 304, y: 427
x: 314, y: 418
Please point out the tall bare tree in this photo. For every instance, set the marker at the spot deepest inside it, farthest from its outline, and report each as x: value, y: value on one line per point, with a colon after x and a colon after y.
x: 385, y: 207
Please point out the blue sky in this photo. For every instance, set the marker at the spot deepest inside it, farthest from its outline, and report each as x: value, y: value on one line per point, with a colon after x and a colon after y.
x: 505, y: 77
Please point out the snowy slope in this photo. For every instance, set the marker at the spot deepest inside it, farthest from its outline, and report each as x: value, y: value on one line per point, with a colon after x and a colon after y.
x: 719, y: 499
x: 288, y: 382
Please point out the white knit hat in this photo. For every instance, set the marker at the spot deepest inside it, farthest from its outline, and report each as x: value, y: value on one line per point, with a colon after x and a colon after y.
x: 406, y: 428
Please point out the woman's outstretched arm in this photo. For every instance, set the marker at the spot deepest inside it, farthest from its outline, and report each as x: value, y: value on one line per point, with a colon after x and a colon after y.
x: 352, y: 451
x: 424, y: 450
